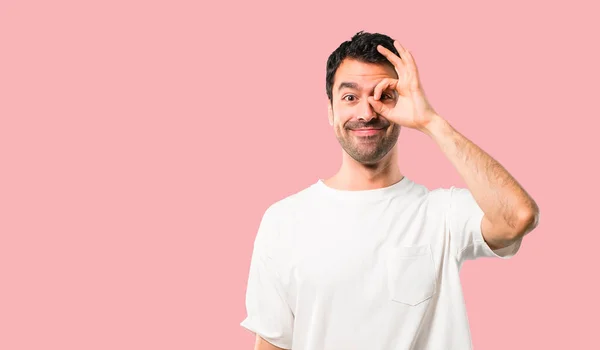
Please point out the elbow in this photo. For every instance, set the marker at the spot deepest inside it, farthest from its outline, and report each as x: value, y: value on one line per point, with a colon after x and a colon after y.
x: 520, y: 223
x: 527, y: 220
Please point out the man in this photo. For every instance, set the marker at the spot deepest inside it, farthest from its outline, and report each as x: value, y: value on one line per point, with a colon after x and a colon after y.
x: 368, y: 259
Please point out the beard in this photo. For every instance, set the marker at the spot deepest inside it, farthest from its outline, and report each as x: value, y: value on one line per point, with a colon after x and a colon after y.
x: 368, y: 149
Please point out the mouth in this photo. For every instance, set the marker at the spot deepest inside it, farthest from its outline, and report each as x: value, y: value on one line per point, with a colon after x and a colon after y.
x: 366, y: 131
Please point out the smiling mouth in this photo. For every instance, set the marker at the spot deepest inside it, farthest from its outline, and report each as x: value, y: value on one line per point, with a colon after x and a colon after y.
x: 366, y: 131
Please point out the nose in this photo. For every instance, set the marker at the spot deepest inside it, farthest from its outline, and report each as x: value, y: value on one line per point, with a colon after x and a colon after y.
x: 366, y: 111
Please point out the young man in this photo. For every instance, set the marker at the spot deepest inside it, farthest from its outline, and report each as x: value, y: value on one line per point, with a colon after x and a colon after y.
x: 368, y: 259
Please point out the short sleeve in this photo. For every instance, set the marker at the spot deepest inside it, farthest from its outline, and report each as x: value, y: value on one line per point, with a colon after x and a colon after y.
x: 464, y: 221
x: 268, y: 313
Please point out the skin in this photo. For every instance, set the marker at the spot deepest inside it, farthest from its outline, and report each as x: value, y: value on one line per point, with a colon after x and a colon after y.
x: 389, y: 97
x: 368, y: 161
x: 262, y: 344
x: 510, y: 212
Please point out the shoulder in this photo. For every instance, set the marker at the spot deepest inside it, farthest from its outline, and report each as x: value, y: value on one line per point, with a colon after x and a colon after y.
x: 279, y: 214
x: 298, y: 200
x: 447, y: 195
x: 450, y: 198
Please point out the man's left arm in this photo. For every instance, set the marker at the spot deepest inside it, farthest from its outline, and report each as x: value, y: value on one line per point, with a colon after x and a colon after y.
x: 509, y: 212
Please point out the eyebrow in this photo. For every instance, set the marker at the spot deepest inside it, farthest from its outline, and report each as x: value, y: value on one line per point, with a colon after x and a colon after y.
x: 350, y: 85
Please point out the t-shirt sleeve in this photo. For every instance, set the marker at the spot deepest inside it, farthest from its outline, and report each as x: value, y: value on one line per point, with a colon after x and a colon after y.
x: 268, y: 313
x: 464, y: 221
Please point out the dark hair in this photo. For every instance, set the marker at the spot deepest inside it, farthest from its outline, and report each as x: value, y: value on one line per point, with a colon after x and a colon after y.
x: 362, y: 47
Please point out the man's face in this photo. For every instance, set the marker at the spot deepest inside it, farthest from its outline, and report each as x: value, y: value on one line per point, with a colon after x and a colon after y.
x: 363, y: 134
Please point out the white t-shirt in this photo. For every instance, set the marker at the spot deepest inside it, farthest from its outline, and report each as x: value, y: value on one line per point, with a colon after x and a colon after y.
x: 369, y: 270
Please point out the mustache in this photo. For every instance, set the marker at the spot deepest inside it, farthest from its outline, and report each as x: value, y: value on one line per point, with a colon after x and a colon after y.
x: 375, y: 123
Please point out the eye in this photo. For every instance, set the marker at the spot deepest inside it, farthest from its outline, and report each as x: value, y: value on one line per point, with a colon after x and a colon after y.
x: 345, y: 98
x: 386, y: 97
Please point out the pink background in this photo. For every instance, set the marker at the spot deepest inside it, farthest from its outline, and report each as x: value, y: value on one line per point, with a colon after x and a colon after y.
x: 141, y: 141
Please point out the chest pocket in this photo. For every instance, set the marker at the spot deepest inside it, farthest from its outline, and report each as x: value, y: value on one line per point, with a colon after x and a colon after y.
x: 411, y: 274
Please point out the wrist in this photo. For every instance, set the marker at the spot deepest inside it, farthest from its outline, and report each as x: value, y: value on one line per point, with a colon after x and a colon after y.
x: 435, y: 126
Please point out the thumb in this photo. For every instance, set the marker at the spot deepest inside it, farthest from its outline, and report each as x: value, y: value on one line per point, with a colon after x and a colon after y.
x: 379, y: 107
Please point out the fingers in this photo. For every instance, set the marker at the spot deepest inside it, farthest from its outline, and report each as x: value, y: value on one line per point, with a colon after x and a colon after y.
x: 407, y: 58
x: 383, y: 85
x: 394, y: 60
x: 405, y: 61
x: 401, y: 50
x: 410, y: 62
x: 379, y: 107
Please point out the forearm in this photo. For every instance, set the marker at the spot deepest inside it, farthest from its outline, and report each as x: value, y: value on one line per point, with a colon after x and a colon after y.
x: 504, y: 202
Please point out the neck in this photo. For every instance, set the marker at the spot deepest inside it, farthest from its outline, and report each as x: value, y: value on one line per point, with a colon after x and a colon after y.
x: 355, y: 176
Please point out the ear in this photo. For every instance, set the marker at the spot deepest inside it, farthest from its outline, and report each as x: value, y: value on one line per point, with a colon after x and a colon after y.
x: 330, y: 112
